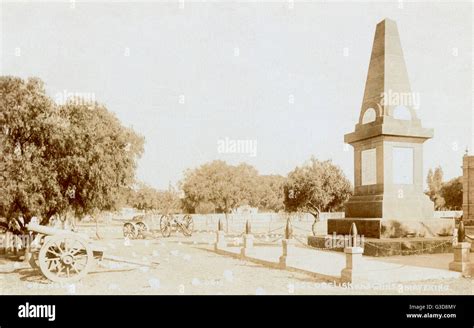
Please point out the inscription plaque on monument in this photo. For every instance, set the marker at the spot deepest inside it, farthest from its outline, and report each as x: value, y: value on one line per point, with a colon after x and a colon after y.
x: 369, y: 167
x: 402, y: 165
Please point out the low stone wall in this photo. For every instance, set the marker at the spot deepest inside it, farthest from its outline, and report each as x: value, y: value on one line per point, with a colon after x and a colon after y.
x: 387, y: 247
x: 376, y: 228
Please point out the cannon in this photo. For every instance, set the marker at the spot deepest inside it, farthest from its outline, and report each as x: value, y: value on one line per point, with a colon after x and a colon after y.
x: 142, y: 226
x: 171, y: 223
x: 67, y: 256
x: 136, y: 228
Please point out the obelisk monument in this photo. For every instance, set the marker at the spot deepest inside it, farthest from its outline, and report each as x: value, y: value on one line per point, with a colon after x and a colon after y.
x: 388, y: 149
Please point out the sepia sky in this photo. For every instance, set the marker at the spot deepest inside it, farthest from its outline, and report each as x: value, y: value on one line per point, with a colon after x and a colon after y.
x: 272, y: 82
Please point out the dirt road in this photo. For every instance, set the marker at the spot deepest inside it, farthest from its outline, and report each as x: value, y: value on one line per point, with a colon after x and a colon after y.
x: 189, y: 266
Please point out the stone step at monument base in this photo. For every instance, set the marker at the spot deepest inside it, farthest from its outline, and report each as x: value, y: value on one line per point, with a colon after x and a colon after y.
x: 386, y: 228
x: 386, y: 247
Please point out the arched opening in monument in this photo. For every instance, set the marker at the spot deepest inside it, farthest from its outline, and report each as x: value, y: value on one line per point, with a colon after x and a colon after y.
x: 369, y: 116
x: 401, y: 113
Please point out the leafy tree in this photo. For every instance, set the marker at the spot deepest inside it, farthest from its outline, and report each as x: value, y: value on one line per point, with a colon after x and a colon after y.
x: 225, y: 186
x: 435, y: 183
x: 270, y: 192
x: 169, y: 201
x: 144, y: 198
x: 28, y: 121
x: 451, y: 192
x: 57, y: 158
x: 147, y: 198
x: 96, y: 157
x: 316, y: 187
x: 205, y: 208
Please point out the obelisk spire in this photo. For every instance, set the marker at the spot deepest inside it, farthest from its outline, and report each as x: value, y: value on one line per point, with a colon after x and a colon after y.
x: 387, y: 73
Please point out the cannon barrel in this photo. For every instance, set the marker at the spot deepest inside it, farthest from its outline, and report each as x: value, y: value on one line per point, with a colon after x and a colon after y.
x: 50, y: 231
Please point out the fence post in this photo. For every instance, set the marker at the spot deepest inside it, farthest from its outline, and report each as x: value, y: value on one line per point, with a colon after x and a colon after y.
x: 287, y: 244
x: 461, y: 252
x: 247, y: 249
x: 354, y: 272
x: 270, y: 223
x: 220, y: 237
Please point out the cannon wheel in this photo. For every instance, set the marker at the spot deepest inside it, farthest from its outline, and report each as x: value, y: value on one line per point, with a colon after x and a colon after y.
x: 165, y: 226
x: 141, y: 228
x: 65, y: 258
x: 130, y: 230
x: 187, y: 226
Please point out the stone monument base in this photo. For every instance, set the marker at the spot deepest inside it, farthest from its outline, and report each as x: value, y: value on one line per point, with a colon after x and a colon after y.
x: 386, y: 247
x: 378, y: 228
x: 388, y: 205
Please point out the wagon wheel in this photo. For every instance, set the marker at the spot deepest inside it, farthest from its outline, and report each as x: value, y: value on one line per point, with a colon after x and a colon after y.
x: 130, y: 230
x: 142, y: 228
x: 165, y: 226
x: 187, y: 225
x: 65, y: 258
